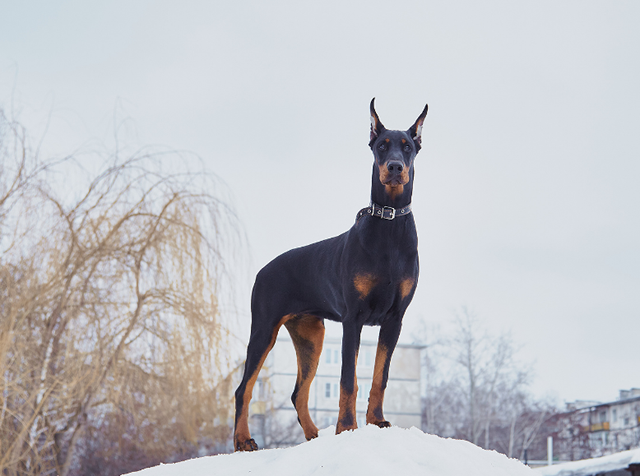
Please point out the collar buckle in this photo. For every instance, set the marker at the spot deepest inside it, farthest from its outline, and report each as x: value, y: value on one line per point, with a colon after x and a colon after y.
x: 388, y: 213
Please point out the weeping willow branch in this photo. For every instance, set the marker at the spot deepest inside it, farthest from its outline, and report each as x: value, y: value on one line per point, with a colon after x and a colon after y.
x: 109, y: 309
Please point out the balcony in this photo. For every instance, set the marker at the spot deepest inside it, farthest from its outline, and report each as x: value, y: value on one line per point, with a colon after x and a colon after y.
x: 603, y: 426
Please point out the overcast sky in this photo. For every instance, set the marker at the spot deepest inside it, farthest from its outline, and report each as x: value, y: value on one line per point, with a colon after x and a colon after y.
x: 527, y: 191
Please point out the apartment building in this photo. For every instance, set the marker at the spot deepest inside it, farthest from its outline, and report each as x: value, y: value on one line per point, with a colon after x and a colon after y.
x: 604, y: 428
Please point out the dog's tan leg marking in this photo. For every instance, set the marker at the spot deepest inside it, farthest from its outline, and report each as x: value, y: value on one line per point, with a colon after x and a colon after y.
x: 347, y: 413
x: 307, y: 334
x: 242, y: 435
x: 376, y: 396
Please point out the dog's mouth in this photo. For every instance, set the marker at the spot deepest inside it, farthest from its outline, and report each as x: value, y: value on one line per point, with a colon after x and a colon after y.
x: 395, y: 181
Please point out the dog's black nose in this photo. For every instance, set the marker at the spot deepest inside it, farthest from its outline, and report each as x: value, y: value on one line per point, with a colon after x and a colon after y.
x: 395, y: 166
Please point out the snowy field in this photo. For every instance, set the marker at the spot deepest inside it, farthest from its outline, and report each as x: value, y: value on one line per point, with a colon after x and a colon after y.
x: 368, y: 450
x: 615, y: 462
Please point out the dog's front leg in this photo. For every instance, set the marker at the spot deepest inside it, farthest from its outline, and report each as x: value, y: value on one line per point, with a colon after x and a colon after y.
x: 348, y: 384
x: 387, y: 340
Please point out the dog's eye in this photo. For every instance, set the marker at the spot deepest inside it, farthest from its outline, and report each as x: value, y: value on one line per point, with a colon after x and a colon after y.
x: 407, y: 148
x: 382, y: 146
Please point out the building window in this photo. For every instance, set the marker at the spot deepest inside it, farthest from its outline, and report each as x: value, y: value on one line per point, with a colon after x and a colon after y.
x: 336, y: 392
x: 367, y: 358
x: 363, y: 391
x: 603, y: 416
x: 327, y: 390
x: 614, y: 415
x: 336, y: 356
x: 259, y: 390
x: 327, y: 356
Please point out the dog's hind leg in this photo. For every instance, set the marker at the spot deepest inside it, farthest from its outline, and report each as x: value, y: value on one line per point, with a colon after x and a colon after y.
x: 307, y: 334
x: 260, y: 344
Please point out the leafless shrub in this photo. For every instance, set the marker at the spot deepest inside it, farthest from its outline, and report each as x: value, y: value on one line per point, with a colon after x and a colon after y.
x: 111, y: 340
x: 477, y: 389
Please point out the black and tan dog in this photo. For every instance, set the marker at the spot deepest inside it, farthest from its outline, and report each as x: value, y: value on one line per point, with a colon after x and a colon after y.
x: 366, y: 276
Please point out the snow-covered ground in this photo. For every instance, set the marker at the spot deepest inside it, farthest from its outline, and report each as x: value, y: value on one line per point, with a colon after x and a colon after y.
x: 369, y: 450
x: 614, y: 462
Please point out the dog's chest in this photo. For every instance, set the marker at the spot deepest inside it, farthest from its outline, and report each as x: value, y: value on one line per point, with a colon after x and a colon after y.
x: 379, y: 267
x: 384, y: 248
x: 384, y: 281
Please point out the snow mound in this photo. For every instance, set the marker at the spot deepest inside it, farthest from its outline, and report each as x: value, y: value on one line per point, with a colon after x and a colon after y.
x: 368, y: 450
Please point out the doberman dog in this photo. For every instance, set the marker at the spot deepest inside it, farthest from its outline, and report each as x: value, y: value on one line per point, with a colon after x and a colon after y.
x: 366, y: 276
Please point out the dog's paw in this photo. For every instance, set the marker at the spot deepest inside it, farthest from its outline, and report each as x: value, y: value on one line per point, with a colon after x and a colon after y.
x: 247, y: 445
x: 311, y: 434
x: 383, y: 424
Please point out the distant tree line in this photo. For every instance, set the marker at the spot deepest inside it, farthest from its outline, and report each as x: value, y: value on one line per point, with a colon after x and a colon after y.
x: 476, y: 389
x: 112, y: 348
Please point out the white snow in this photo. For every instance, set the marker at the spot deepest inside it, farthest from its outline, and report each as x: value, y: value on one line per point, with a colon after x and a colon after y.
x: 616, y: 461
x: 369, y: 450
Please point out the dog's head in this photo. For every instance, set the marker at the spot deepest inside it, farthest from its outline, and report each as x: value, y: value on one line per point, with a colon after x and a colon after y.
x: 394, y: 152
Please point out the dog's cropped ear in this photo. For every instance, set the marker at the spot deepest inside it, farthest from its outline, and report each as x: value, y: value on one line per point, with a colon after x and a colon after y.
x: 376, y: 126
x: 415, y: 131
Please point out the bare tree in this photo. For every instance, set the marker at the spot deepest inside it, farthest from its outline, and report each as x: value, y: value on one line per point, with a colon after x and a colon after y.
x: 438, y: 389
x: 109, y: 298
x: 477, y: 389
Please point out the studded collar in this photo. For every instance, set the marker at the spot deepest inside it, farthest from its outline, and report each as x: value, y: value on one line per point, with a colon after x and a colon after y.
x: 385, y: 213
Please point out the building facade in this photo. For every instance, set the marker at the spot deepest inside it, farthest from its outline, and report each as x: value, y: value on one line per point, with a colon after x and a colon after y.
x: 273, y: 417
x: 591, y: 429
